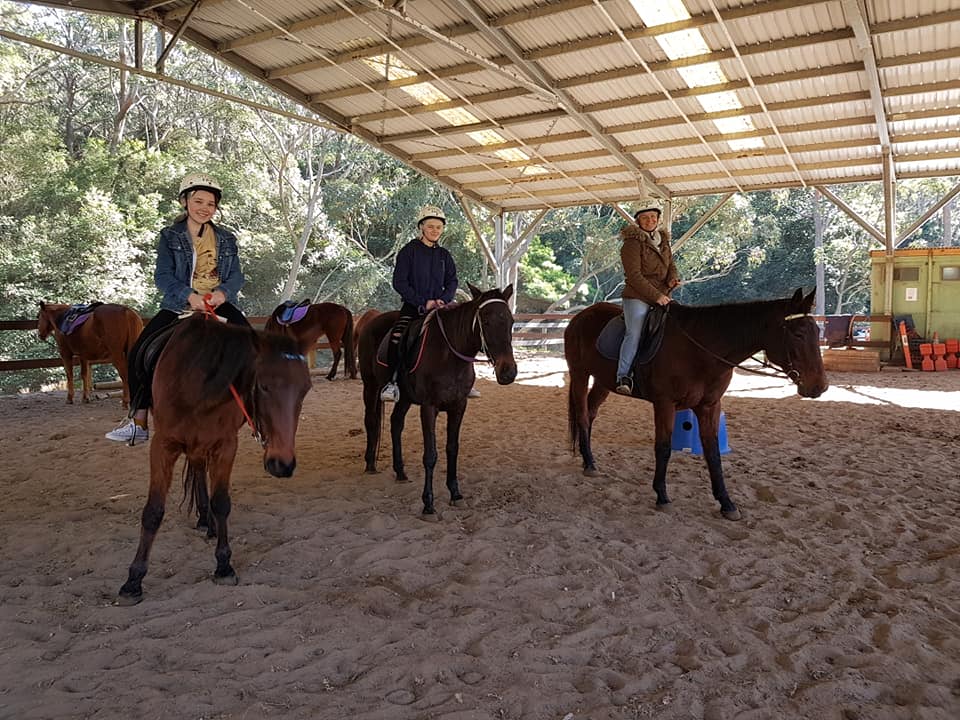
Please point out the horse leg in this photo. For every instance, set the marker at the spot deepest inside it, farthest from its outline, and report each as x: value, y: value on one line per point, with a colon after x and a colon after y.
x: 454, y: 420
x: 578, y: 417
x: 595, y: 399
x: 428, y: 423
x: 219, y: 465
x: 67, y: 357
x: 86, y: 376
x: 663, y: 414
x: 708, y: 418
x: 337, y: 352
x: 162, y: 458
x: 372, y: 413
x: 397, y: 418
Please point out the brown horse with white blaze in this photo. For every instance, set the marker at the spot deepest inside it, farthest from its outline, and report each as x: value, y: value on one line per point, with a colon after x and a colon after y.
x: 210, y: 378
x: 701, y: 346
x: 105, y: 337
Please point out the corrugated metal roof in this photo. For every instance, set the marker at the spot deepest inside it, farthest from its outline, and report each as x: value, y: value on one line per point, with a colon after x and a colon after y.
x: 584, y: 101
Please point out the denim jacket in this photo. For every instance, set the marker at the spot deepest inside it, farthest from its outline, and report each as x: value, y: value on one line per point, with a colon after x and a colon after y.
x: 176, y: 259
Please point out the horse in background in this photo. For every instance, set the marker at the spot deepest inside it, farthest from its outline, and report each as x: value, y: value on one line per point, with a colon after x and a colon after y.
x: 438, y: 380
x: 209, y: 378
x: 106, y: 336
x: 330, y: 319
x: 700, y: 348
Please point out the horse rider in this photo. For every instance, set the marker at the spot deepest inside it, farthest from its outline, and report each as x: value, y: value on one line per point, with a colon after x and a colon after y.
x: 196, y: 259
x: 425, y: 277
x: 650, y: 275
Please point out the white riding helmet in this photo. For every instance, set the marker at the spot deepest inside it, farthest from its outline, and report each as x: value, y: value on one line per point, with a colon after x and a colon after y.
x: 648, y: 206
x: 431, y: 211
x: 200, y: 181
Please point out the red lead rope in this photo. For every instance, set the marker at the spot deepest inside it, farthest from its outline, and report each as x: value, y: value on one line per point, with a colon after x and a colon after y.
x: 208, y: 309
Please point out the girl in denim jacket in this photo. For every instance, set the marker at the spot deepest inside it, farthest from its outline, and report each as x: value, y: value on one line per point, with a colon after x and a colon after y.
x: 195, y: 260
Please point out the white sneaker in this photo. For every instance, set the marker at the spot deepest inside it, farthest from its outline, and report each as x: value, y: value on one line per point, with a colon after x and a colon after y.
x: 129, y: 432
x: 390, y: 392
x: 474, y: 393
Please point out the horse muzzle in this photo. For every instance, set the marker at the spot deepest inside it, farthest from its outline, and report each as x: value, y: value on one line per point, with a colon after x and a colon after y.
x: 279, y: 467
x: 505, y: 370
x: 812, y: 390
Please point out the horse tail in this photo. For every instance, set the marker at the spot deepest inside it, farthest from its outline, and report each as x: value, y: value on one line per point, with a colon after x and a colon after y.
x: 349, y: 349
x: 194, y: 486
x: 134, y: 328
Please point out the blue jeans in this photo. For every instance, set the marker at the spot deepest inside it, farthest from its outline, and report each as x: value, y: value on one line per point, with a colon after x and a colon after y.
x: 634, y: 314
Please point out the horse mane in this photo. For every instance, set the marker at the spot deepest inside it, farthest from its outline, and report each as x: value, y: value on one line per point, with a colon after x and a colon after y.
x: 213, y: 357
x: 739, y: 322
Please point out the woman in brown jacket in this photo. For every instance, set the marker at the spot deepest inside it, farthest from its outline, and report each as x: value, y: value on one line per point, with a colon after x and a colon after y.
x: 649, y: 276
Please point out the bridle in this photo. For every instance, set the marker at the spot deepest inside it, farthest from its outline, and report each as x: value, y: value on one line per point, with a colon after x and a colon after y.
x: 788, y: 371
x: 477, y: 323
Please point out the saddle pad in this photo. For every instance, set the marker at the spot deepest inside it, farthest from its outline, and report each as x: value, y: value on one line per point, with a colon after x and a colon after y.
x: 611, y: 337
x: 76, y: 315
x: 293, y: 312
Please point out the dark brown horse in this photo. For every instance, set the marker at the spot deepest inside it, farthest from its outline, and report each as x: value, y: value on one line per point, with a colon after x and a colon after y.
x: 105, y: 337
x: 334, y: 321
x: 200, y: 374
x: 360, y: 324
x: 438, y: 381
x: 701, y: 346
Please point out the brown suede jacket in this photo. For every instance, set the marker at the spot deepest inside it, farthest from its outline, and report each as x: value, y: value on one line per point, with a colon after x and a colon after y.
x: 648, y: 272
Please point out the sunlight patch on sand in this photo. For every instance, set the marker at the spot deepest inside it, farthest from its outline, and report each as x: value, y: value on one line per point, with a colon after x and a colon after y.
x: 548, y: 371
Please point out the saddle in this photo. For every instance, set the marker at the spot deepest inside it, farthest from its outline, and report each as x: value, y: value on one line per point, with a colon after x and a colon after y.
x: 292, y: 311
x: 76, y: 315
x: 404, y: 355
x: 611, y: 337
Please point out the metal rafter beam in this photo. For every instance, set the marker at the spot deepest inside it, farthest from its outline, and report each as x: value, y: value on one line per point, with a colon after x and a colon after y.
x: 753, y: 86
x: 537, y: 76
x: 853, y: 214
x: 176, y: 35
x: 856, y: 14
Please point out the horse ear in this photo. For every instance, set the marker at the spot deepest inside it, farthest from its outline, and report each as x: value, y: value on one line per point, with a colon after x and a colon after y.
x: 508, y: 291
x: 474, y: 290
x: 809, y: 299
x: 797, y: 296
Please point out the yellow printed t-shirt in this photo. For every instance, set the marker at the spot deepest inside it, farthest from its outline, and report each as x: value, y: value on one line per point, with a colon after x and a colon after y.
x: 205, y: 275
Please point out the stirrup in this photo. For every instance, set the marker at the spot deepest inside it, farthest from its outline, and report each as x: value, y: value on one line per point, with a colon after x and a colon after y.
x: 624, y: 385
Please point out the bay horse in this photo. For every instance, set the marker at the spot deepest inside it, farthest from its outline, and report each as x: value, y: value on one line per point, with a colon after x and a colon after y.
x: 105, y: 337
x: 208, y: 378
x: 361, y: 323
x: 701, y: 346
x: 438, y: 382
x: 330, y: 319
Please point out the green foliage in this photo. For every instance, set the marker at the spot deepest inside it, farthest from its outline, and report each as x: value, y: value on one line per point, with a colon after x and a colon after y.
x: 540, y: 274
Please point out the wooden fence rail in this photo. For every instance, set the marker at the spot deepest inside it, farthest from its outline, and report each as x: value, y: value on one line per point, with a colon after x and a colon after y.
x: 529, y: 330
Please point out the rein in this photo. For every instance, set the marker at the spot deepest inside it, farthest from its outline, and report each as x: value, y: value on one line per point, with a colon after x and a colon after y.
x: 789, y: 373
x: 477, y: 322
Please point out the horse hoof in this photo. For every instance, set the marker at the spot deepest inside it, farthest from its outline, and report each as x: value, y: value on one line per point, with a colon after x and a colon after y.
x: 591, y: 472
x: 731, y: 514
x: 460, y: 503
x: 664, y: 507
x: 230, y: 579
x: 430, y: 517
x: 371, y: 471
x: 403, y: 478
x: 129, y: 599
